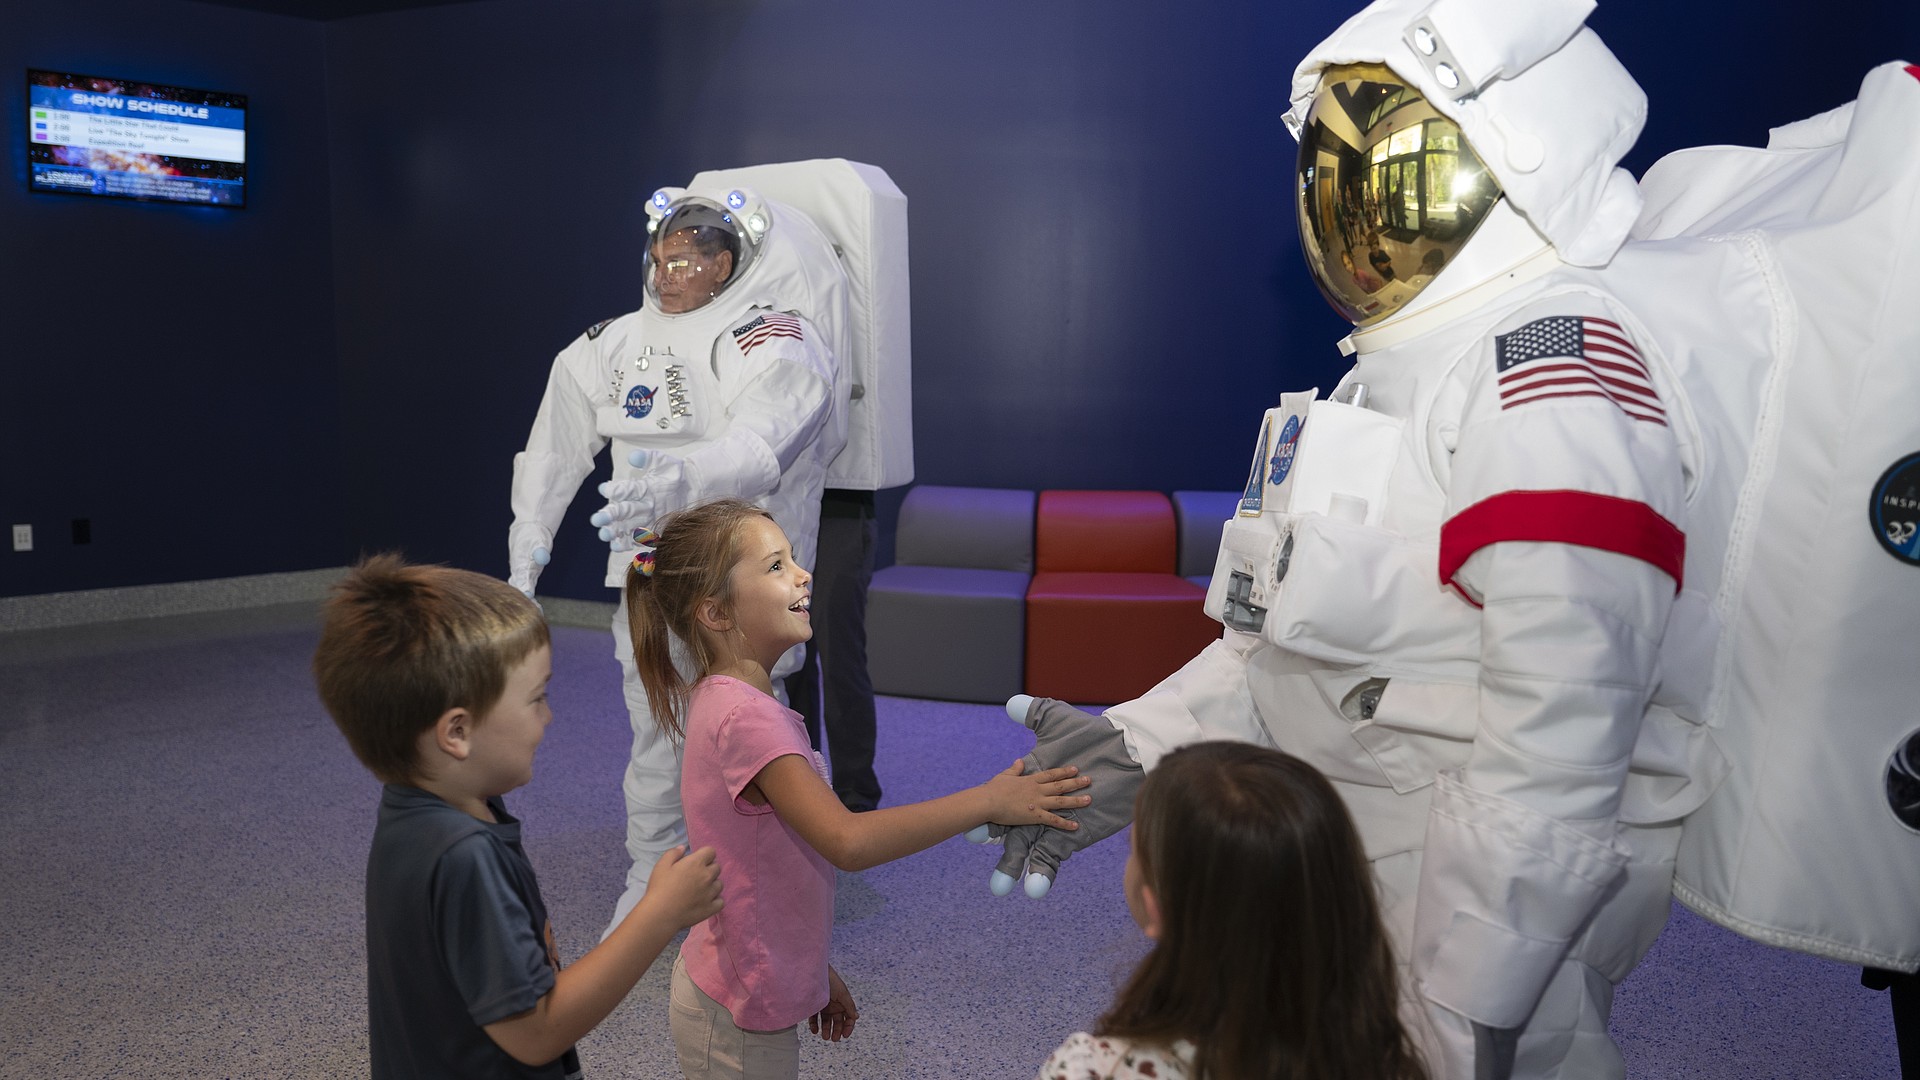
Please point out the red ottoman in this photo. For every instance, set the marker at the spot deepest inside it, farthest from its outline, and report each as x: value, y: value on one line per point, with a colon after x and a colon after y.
x: 1107, y: 616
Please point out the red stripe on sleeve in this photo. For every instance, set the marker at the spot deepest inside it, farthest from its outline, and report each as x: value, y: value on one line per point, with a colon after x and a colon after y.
x: 1611, y: 524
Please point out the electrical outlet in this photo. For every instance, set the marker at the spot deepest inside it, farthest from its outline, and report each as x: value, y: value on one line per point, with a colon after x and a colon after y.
x: 23, y: 538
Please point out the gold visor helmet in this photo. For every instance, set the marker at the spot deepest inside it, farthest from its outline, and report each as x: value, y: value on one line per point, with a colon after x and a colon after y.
x: 1388, y: 190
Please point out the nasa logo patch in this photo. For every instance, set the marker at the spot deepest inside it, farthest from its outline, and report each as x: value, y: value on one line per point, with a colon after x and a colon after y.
x: 639, y: 401
x: 1894, y: 510
x: 1282, y: 462
x: 1903, y: 782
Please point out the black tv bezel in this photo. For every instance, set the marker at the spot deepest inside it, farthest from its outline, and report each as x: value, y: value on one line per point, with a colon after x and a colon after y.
x: 27, y: 145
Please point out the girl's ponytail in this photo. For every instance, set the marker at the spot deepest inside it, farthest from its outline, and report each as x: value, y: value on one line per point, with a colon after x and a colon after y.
x: 687, y: 562
x: 652, y: 640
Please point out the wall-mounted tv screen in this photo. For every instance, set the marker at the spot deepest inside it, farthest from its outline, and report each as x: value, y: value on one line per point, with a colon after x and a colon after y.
x: 134, y: 140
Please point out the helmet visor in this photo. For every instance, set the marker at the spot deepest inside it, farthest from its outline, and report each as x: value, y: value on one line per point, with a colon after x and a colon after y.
x: 1388, y: 190
x: 695, y: 252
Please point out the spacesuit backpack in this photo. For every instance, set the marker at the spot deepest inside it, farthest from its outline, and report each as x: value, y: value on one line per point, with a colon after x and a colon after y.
x: 1812, y: 841
x: 864, y: 216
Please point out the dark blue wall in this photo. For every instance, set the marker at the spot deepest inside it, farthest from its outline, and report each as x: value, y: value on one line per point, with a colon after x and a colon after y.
x: 491, y: 167
x: 169, y: 373
x: 1716, y: 71
x: 1106, y: 285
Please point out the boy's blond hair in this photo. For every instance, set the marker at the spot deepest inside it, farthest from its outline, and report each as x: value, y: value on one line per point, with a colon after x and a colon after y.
x: 401, y: 644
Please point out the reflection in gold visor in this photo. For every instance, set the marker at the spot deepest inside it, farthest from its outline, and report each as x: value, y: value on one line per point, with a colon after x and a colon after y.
x: 1389, y: 190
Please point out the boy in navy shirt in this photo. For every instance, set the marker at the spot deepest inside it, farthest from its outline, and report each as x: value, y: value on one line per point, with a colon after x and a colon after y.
x: 438, y: 679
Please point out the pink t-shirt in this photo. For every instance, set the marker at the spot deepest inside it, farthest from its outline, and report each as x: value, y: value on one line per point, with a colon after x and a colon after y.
x: 764, y: 956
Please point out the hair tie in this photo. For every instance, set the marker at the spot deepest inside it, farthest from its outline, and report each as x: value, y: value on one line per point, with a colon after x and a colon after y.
x: 644, y: 541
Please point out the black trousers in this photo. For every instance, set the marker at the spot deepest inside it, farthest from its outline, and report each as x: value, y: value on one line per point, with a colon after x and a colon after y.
x: 1903, y: 991
x: 832, y: 688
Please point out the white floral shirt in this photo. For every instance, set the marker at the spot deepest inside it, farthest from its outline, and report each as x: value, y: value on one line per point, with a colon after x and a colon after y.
x: 1103, y: 1057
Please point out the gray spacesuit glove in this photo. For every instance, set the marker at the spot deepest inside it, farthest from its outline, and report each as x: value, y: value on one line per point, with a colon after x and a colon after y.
x: 1063, y: 735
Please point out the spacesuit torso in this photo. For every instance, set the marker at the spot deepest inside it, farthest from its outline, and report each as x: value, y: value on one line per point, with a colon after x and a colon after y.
x: 1376, y: 514
x: 682, y: 384
x: 1453, y: 602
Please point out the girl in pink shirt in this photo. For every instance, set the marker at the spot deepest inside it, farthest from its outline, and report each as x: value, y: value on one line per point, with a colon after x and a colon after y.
x: 720, y: 577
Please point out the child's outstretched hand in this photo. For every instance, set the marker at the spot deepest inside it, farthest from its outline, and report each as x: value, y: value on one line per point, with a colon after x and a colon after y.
x: 835, y: 1022
x: 683, y: 889
x: 1020, y: 799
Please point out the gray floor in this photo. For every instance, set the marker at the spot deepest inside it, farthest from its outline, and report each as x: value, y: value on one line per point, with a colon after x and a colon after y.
x: 182, y: 835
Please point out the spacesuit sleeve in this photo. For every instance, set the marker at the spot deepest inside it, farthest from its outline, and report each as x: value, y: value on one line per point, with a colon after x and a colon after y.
x: 559, y: 455
x: 784, y: 403
x: 1207, y: 698
x: 1561, y: 527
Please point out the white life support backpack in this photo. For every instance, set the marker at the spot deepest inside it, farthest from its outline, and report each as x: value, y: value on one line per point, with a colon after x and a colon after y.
x: 864, y: 216
x: 1812, y: 688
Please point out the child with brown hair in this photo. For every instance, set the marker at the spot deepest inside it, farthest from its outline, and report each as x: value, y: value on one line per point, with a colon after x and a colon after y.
x: 1269, y: 960
x: 438, y: 679
x: 720, y: 577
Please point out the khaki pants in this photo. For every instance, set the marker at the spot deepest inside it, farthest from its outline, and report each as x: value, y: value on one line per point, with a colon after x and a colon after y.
x: 711, y: 1047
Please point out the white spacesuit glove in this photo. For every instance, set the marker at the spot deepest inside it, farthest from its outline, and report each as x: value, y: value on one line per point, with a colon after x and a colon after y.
x: 629, y: 509
x: 634, y: 505
x: 529, y: 547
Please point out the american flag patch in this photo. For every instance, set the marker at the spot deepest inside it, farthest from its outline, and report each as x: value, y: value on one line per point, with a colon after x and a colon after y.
x: 1584, y: 358
x: 769, y: 324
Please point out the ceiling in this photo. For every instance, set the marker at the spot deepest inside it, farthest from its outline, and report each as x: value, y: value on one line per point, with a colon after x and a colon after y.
x: 330, y: 9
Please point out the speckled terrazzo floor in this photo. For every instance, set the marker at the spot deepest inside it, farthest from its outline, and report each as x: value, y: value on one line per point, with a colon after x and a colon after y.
x: 182, y: 837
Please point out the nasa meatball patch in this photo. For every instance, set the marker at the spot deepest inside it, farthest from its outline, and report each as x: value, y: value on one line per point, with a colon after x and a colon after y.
x: 1895, y: 510
x: 639, y: 401
x: 1283, y: 453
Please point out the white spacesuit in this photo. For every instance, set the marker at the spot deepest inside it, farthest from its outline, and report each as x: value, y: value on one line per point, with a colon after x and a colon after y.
x: 727, y: 382
x: 772, y: 357
x: 1450, y: 584
x: 1571, y: 569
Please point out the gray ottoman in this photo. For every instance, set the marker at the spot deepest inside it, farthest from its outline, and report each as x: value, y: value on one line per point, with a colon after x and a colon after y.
x: 948, y: 619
